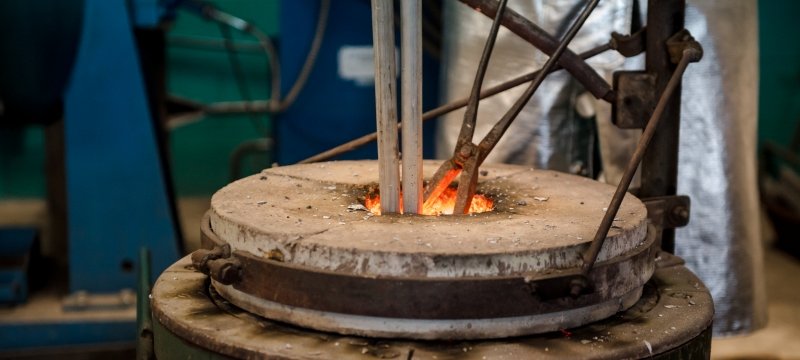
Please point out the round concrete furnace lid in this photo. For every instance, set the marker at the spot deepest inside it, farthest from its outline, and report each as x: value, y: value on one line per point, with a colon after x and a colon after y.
x: 294, y: 244
x: 310, y: 215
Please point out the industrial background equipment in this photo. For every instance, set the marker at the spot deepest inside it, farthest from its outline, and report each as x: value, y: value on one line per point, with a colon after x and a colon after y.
x: 131, y: 106
x: 304, y: 254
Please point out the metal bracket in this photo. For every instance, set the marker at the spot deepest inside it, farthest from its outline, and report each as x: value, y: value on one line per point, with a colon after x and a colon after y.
x: 681, y: 41
x: 670, y: 211
x: 629, y: 45
x: 218, y: 264
x: 202, y: 257
x: 635, y: 100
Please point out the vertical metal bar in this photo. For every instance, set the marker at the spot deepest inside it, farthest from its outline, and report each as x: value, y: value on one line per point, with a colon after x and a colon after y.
x: 386, y: 104
x: 144, y: 319
x: 660, y: 162
x: 411, y: 91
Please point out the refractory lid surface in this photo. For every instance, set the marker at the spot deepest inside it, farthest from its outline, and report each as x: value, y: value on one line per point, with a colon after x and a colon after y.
x: 304, y: 214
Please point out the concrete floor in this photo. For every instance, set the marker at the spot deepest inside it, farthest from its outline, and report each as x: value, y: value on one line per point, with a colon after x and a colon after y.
x: 779, y: 340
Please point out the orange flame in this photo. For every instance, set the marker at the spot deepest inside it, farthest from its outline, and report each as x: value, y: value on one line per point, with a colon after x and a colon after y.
x: 441, y: 206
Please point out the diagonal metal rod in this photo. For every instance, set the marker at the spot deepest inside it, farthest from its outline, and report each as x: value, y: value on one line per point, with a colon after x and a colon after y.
x: 464, y: 148
x: 468, y: 181
x: 447, y: 108
x: 590, y: 255
x: 542, y: 40
x: 411, y: 102
x: 471, y: 114
x: 493, y: 137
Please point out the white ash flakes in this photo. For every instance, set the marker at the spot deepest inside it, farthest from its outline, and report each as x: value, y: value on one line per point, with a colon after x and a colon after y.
x: 357, y: 207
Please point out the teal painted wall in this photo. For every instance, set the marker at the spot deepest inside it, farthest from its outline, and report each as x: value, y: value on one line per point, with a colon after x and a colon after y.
x: 201, y: 150
x: 22, y: 162
x: 779, y: 91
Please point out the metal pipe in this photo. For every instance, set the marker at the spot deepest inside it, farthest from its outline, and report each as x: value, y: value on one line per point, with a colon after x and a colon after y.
x: 411, y: 91
x: 446, y: 109
x: 386, y: 104
x: 590, y: 256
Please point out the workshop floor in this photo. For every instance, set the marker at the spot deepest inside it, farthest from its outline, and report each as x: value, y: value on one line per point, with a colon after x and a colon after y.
x: 779, y: 340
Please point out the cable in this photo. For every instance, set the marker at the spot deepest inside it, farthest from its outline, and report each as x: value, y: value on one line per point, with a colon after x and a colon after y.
x: 276, y: 105
x: 241, y: 82
x: 311, y: 58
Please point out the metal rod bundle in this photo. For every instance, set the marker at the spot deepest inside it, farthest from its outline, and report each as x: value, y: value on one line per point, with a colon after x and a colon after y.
x: 386, y: 104
x: 411, y: 89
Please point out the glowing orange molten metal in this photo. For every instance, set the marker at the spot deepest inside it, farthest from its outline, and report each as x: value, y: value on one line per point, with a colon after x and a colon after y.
x: 442, y: 206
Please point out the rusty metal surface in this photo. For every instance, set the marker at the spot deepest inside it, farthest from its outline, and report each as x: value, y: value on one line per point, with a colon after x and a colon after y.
x: 428, y: 329
x: 674, y: 211
x: 635, y: 100
x: 675, y: 310
x: 659, y: 173
x: 435, y: 298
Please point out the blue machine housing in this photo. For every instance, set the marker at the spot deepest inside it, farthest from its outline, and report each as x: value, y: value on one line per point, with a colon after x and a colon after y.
x: 117, y: 199
x: 331, y: 109
x: 14, y: 260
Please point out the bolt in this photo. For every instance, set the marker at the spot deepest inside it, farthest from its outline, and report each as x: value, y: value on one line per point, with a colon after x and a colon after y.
x: 681, y: 213
x: 227, y: 271
x: 576, y: 286
x: 575, y: 290
x: 229, y: 274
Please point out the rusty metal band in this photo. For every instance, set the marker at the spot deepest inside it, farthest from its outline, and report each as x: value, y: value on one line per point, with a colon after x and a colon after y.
x: 435, y: 298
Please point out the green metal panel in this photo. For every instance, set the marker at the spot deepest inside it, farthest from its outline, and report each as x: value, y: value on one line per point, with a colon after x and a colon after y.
x: 22, y: 162
x: 779, y: 93
x: 201, y: 150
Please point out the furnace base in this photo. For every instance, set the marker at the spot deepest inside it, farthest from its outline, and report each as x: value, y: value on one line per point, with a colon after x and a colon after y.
x: 670, y: 321
x: 425, y: 329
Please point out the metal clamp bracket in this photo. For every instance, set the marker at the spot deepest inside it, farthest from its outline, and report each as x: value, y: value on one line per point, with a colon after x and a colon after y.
x: 669, y: 211
x: 218, y: 263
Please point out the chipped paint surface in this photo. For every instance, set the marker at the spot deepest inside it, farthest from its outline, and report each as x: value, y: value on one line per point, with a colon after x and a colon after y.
x: 301, y: 212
